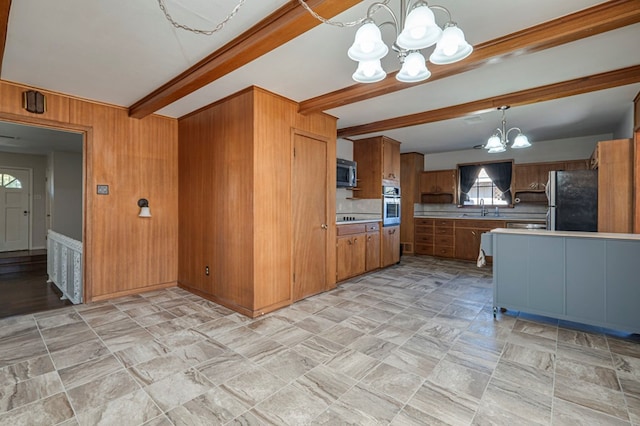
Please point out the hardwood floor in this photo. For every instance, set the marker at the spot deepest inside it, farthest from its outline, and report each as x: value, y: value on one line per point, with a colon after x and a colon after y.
x: 27, y: 291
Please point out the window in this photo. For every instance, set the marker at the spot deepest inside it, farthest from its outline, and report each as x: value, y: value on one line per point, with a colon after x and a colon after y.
x: 9, y: 181
x: 490, y: 182
x: 485, y: 189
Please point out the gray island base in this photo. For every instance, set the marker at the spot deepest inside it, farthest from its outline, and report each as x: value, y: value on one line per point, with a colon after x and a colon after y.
x: 584, y: 277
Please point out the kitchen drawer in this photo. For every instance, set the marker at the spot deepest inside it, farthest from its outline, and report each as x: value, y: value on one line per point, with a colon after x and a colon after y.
x: 424, y: 230
x: 425, y: 222
x: 444, y: 223
x: 443, y: 251
x: 372, y: 227
x: 424, y: 249
x: 444, y: 231
x: 480, y: 223
x: 424, y: 239
x: 444, y: 240
x: 354, y: 228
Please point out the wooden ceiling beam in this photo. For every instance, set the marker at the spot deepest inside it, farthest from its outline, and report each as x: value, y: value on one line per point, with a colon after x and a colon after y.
x: 577, y: 86
x: 5, y: 6
x: 285, y: 24
x: 585, y: 23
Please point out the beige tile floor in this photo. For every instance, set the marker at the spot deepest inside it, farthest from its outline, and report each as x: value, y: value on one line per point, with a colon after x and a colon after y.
x: 414, y: 344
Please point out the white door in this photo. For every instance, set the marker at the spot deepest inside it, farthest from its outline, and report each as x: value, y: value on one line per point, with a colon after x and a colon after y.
x: 14, y: 209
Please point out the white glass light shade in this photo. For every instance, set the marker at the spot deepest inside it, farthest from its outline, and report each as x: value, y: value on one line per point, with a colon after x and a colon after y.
x: 493, y: 142
x: 521, y: 141
x: 369, y: 72
x: 368, y: 44
x: 413, y: 69
x: 144, y: 212
x: 497, y: 150
x: 452, y: 47
x: 420, y: 30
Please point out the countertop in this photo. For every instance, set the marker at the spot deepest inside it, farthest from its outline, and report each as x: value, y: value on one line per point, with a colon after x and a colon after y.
x: 572, y: 234
x: 348, y: 222
x: 508, y: 218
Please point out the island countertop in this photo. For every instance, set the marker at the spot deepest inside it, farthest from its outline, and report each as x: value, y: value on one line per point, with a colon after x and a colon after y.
x: 573, y: 234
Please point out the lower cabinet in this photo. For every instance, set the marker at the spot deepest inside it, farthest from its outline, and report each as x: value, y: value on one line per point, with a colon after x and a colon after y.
x: 423, y: 238
x: 372, y: 252
x: 390, y: 245
x: 467, y: 236
x: 443, y: 238
x: 357, y: 249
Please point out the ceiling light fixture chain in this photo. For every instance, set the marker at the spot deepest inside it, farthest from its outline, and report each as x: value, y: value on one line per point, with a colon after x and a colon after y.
x: 313, y: 13
x: 217, y: 28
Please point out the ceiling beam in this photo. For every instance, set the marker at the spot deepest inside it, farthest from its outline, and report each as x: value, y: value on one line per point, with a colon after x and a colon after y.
x: 585, y: 23
x: 578, y: 86
x: 5, y: 6
x: 285, y: 24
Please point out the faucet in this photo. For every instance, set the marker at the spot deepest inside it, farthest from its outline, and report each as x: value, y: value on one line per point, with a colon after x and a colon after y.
x: 483, y: 211
x: 497, y: 212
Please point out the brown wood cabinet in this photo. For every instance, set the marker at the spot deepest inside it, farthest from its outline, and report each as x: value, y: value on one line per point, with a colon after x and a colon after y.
x: 533, y: 177
x: 357, y: 249
x: 636, y: 113
x: 372, y: 251
x: 615, y: 185
x: 424, y: 236
x: 378, y: 161
x: 390, y: 245
x: 443, y: 238
x: 467, y: 234
x: 411, y: 166
x: 438, y: 182
x: 350, y: 250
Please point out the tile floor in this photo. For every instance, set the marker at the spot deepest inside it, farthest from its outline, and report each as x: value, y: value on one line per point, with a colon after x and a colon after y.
x: 415, y: 344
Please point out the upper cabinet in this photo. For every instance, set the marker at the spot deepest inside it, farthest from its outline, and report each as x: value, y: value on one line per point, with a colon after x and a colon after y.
x: 438, y: 186
x: 533, y: 177
x: 378, y: 161
x: 438, y: 182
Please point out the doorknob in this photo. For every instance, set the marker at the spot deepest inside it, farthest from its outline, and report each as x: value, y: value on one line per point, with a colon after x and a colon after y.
x: 324, y: 226
x: 26, y: 212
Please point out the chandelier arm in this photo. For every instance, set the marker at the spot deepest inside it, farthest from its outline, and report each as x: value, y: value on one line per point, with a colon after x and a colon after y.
x: 218, y: 27
x: 370, y: 13
x: 441, y: 8
x: 509, y: 131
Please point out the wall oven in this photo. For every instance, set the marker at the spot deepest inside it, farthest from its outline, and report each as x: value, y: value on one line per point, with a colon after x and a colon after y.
x: 390, y: 205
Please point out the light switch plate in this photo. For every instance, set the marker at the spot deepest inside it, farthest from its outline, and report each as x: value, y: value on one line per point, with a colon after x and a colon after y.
x: 103, y: 189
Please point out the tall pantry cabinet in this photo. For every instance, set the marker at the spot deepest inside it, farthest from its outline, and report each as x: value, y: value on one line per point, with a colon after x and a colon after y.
x: 249, y: 238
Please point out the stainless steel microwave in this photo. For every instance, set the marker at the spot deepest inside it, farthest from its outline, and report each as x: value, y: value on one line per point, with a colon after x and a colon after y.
x: 346, y: 173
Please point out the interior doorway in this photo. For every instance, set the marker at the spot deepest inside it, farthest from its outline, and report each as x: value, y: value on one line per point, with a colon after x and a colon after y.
x: 41, y: 177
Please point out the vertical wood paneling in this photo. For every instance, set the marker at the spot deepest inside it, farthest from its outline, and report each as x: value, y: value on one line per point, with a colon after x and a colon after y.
x: 137, y: 159
x: 11, y: 102
x: 235, y: 174
x: 123, y: 254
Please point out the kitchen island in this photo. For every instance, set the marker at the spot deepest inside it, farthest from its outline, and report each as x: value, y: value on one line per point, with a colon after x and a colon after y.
x: 585, y: 277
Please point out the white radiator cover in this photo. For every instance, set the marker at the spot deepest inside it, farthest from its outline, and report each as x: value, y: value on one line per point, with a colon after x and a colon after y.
x: 64, y: 265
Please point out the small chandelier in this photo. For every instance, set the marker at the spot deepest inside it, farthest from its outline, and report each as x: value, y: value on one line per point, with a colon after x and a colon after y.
x: 416, y: 30
x: 500, y: 139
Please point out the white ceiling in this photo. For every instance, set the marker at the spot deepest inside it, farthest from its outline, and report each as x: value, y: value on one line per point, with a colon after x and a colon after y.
x: 118, y: 51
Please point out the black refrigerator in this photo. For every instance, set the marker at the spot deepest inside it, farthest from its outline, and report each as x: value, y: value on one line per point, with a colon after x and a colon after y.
x: 573, y: 200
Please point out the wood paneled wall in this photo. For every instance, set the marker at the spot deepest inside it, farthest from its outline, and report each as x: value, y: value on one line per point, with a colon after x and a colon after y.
x: 123, y: 254
x: 235, y: 198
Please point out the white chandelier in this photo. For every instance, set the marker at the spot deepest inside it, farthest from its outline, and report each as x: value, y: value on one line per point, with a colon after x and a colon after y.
x: 416, y: 30
x: 500, y: 139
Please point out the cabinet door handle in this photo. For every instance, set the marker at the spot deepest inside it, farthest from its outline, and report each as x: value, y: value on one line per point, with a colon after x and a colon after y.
x: 350, y: 242
x: 369, y: 238
x: 355, y: 240
x: 473, y: 232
